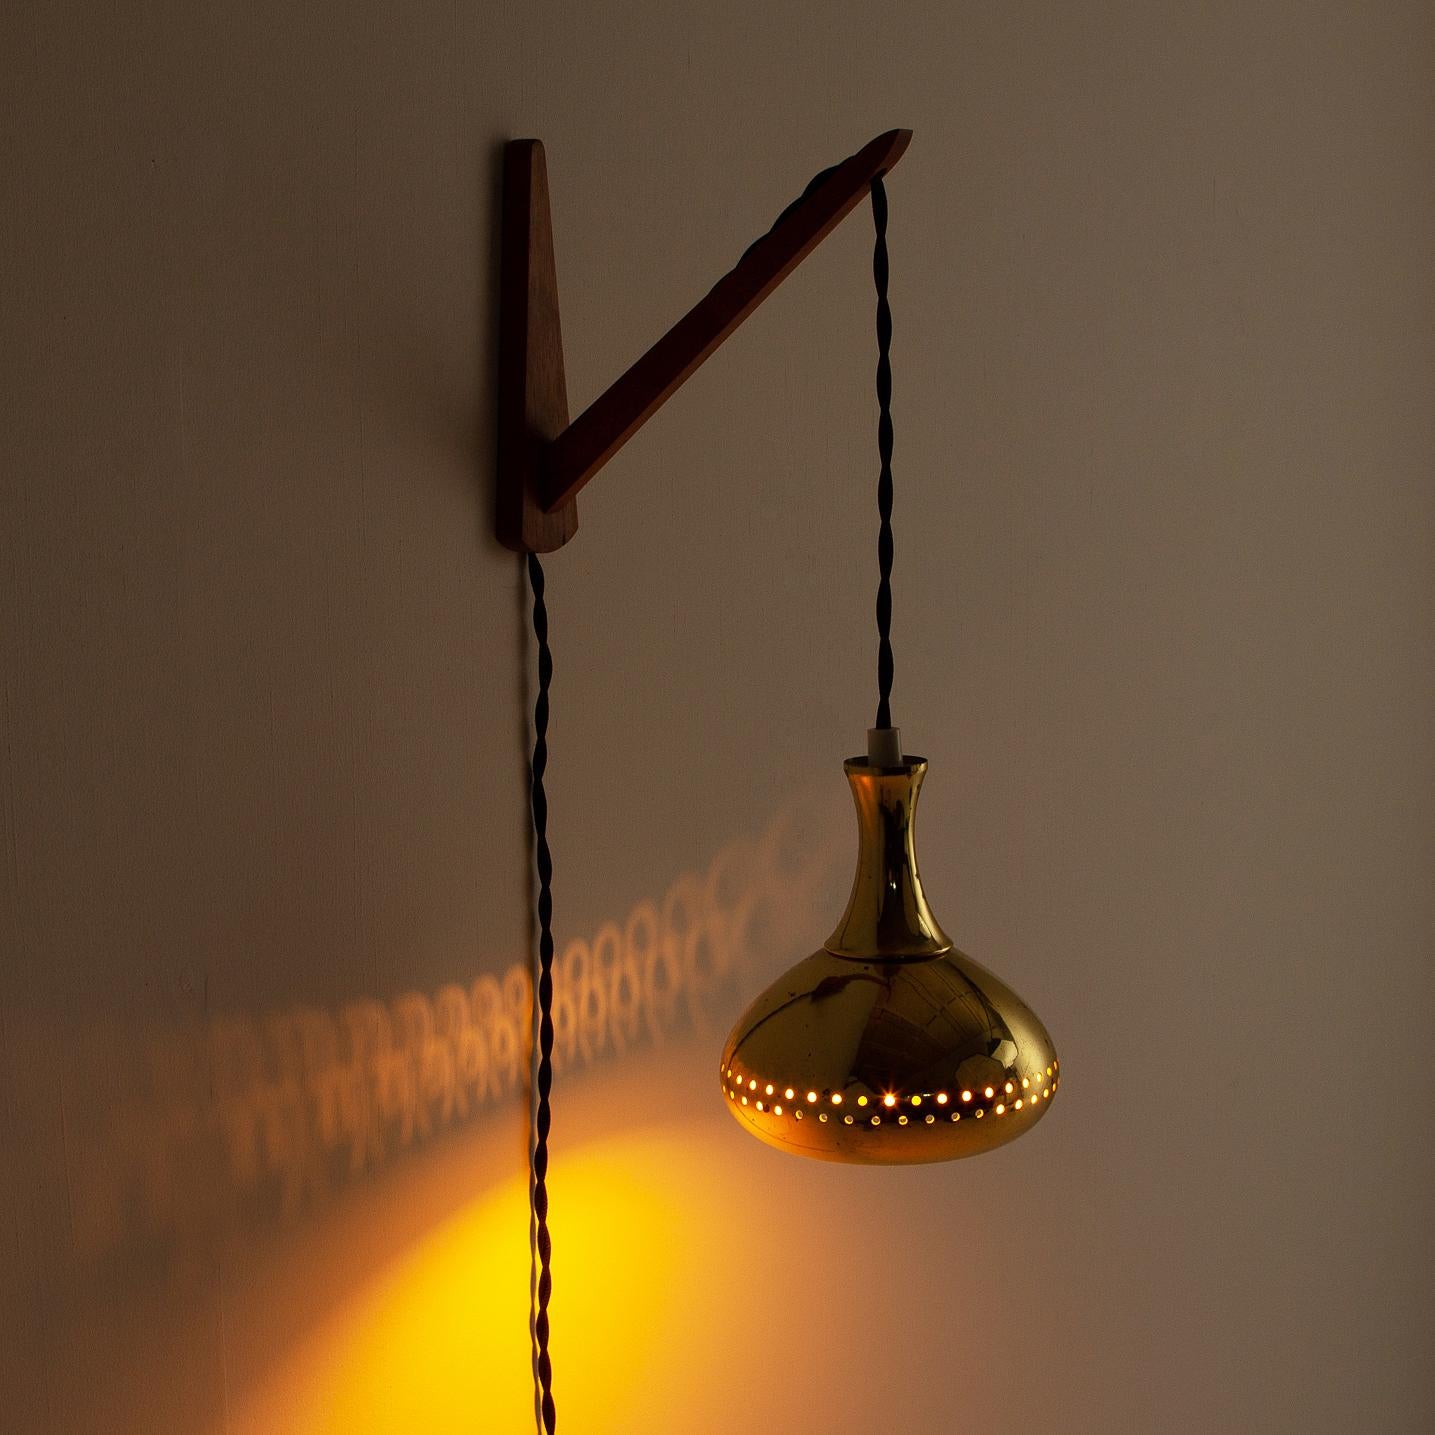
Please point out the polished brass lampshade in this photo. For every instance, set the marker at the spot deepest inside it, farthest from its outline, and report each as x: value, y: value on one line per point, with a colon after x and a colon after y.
x: 888, y: 1045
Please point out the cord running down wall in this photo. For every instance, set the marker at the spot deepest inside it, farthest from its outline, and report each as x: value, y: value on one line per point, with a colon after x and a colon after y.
x: 543, y: 1079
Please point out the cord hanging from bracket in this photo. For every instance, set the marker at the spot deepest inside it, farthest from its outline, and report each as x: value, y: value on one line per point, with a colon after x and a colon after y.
x: 543, y: 1079
x: 885, y: 665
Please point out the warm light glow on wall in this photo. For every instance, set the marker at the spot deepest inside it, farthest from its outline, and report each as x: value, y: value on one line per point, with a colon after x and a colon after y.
x: 432, y: 1343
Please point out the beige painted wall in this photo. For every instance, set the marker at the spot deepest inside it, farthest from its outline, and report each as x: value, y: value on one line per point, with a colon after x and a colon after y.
x: 1165, y: 293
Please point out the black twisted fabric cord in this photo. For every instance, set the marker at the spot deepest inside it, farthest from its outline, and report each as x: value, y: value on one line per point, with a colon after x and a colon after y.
x: 884, y: 451
x: 543, y: 1082
x: 786, y: 214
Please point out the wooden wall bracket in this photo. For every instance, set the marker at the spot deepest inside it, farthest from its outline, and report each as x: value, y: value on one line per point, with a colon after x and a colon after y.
x: 543, y: 459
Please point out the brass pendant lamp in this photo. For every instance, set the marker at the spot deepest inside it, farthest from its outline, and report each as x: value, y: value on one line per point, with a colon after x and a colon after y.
x: 888, y: 1045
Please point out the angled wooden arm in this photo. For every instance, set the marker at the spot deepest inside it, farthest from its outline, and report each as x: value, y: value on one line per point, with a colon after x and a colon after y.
x: 543, y: 459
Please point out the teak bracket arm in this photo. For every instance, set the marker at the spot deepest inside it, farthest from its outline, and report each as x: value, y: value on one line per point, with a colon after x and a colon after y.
x: 543, y: 460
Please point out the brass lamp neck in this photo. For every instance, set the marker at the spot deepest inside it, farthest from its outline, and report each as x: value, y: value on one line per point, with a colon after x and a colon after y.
x: 887, y: 917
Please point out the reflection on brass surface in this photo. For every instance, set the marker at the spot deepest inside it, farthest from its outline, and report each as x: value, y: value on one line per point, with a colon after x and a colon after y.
x: 888, y: 1046
x: 887, y: 915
